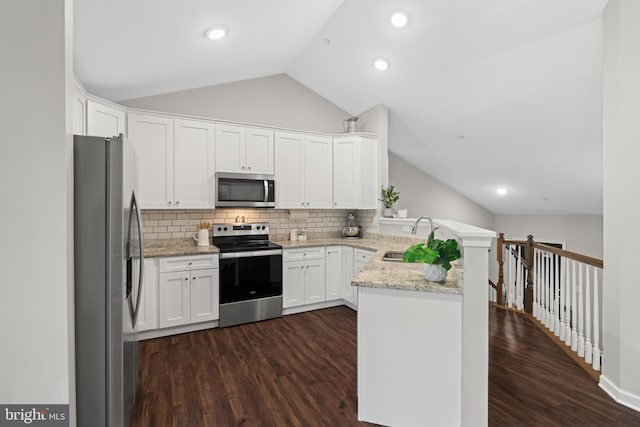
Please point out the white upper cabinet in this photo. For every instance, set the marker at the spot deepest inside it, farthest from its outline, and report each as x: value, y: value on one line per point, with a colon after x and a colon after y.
x: 260, y: 151
x: 176, y: 159
x: 194, y: 155
x: 79, y: 110
x: 355, y: 178
x: 152, y: 138
x: 244, y: 150
x: 104, y: 120
x: 303, y: 171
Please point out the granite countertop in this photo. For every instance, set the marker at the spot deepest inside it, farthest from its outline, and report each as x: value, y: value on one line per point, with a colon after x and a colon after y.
x: 176, y: 247
x: 375, y: 274
x: 388, y: 274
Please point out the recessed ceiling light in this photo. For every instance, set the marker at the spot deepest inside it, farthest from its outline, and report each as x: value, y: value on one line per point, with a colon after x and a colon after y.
x: 217, y: 32
x: 399, y: 18
x: 381, y: 64
x: 501, y: 191
x: 325, y: 41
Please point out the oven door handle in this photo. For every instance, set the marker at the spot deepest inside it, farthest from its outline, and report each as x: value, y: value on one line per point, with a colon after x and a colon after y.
x: 228, y: 255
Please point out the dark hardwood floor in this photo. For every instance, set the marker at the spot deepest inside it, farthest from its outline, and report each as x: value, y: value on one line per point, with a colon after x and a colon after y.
x: 300, y: 370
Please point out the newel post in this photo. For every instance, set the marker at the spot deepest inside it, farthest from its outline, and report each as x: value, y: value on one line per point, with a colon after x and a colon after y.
x: 499, y: 256
x: 528, y: 260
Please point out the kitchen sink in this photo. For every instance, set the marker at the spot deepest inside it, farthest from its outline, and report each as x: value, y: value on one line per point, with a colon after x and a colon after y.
x: 392, y: 256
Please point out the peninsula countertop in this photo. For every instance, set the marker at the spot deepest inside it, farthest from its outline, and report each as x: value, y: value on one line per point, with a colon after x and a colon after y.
x: 375, y: 274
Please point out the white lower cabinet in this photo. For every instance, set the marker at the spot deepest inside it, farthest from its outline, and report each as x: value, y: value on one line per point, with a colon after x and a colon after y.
x: 360, y: 258
x: 346, y: 290
x: 303, y: 278
x: 148, y: 312
x: 333, y: 275
x: 190, y: 295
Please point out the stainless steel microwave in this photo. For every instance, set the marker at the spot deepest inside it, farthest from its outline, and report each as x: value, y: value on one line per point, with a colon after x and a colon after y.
x: 239, y: 190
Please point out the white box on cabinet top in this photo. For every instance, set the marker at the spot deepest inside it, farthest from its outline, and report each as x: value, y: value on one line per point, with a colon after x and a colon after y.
x: 104, y: 120
x: 176, y: 161
x: 355, y: 177
x: 244, y: 150
x: 304, y: 171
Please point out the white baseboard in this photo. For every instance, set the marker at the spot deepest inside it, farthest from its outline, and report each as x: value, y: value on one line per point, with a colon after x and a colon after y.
x: 309, y: 307
x: 623, y: 397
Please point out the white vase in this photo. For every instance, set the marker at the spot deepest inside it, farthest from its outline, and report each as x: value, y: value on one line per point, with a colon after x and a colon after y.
x: 434, y: 273
x: 388, y: 212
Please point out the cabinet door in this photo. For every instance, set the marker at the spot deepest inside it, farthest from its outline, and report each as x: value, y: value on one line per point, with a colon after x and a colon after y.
x: 152, y: 138
x: 174, y: 306
x: 293, y: 284
x: 347, y: 273
x: 194, y: 164
x: 259, y: 151
x: 230, y: 148
x: 148, y: 313
x: 289, y: 178
x: 345, y: 173
x: 333, y: 273
x: 314, y: 281
x: 318, y: 172
x: 204, y: 295
x: 104, y: 120
x: 357, y: 266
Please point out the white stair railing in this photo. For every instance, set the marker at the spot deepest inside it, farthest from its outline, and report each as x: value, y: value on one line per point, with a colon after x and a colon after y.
x: 566, y: 296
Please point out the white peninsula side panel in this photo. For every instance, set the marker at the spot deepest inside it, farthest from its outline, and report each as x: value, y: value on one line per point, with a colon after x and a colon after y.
x: 416, y: 388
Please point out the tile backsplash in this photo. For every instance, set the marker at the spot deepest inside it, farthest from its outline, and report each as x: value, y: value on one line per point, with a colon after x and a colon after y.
x: 318, y: 223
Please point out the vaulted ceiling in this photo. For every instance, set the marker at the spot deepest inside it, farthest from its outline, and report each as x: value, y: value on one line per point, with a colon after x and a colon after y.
x: 492, y: 92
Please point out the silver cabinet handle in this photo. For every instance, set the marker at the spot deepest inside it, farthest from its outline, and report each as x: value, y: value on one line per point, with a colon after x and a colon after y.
x: 169, y: 202
x: 302, y: 204
x: 307, y: 203
x: 242, y: 167
x: 177, y: 203
x: 248, y: 167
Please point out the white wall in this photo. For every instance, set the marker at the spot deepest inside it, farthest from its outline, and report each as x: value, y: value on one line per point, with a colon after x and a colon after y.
x: 621, y: 317
x: 278, y: 101
x: 423, y: 195
x: 35, y: 175
x: 581, y: 233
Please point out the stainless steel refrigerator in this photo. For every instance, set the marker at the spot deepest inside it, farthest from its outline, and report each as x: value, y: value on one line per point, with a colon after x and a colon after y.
x: 108, y: 279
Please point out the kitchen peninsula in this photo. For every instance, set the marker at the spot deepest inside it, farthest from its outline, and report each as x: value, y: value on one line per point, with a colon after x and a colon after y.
x: 422, y: 347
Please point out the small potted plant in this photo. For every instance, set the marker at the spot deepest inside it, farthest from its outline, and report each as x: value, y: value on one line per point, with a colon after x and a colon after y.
x: 389, y: 197
x: 436, y: 256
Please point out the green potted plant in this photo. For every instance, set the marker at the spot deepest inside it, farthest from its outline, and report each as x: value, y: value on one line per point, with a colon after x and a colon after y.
x: 436, y: 256
x: 389, y: 197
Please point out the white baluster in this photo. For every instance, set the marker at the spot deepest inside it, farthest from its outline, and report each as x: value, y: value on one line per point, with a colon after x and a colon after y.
x: 547, y: 272
x: 563, y: 297
x: 574, y: 311
x: 556, y: 304
x: 567, y: 301
x: 521, y: 282
x: 509, y: 282
x: 536, y: 281
x: 552, y: 303
x: 517, y: 284
x: 588, y: 350
x: 580, y: 312
x: 596, y: 323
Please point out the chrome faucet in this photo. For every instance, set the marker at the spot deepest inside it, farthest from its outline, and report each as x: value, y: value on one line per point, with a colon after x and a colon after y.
x: 414, y: 230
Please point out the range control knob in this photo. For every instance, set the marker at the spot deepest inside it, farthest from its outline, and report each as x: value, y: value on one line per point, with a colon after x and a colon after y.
x: 225, y: 229
x: 263, y: 227
x: 219, y: 228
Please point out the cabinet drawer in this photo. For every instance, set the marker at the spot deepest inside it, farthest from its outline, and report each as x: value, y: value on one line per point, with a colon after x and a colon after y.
x: 181, y: 263
x: 303, y: 254
x: 362, y: 256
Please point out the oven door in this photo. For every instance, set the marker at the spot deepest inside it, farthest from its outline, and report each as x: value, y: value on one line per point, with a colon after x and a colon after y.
x: 252, y: 275
x: 245, y: 190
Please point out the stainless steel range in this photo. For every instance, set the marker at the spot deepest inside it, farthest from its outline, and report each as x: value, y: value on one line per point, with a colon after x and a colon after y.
x: 250, y: 273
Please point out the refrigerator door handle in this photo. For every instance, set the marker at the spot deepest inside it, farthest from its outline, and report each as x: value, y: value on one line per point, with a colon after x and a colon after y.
x: 136, y: 208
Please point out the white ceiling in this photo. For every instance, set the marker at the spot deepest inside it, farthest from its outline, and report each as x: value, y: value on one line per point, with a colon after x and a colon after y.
x: 482, y: 93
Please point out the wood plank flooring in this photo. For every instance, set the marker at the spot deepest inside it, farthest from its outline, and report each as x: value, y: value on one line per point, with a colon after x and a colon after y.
x: 300, y: 370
